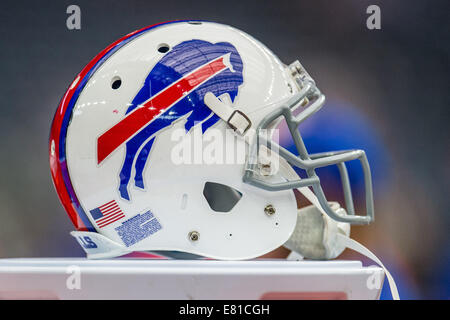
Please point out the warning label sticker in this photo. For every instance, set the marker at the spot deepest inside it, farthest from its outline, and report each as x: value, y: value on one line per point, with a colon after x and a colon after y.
x: 138, y: 228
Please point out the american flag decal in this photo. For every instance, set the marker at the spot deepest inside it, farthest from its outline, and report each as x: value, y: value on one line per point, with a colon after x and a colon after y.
x: 106, y: 214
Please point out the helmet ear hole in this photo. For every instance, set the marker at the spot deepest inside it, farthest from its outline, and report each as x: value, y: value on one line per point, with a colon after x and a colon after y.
x: 220, y: 197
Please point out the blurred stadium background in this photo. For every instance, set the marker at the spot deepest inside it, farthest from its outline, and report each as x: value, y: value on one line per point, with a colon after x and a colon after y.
x: 387, y: 92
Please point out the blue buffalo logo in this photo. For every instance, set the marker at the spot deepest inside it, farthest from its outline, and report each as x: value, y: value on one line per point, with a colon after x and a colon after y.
x: 174, y: 88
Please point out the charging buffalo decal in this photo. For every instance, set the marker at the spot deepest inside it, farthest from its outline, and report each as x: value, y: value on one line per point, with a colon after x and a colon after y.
x: 174, y: 88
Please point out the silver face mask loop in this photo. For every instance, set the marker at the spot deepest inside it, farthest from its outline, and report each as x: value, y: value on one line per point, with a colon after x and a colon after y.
x: 311, y: 99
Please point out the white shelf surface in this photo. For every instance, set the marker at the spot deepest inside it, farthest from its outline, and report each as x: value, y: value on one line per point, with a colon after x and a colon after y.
x: 75, y: 278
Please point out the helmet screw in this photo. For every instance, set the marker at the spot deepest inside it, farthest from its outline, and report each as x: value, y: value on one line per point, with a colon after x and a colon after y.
x: 265, y: 169
x: 269, y: 210
x: 194, y: 235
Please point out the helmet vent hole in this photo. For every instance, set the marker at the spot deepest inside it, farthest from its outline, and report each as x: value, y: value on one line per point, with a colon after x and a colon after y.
x: 195, y: 22
x: 116, y: 82
x: 163, y: 48
x: 220, y: 197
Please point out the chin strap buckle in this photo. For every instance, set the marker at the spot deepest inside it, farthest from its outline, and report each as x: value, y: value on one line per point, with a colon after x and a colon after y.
x: 236, y: 119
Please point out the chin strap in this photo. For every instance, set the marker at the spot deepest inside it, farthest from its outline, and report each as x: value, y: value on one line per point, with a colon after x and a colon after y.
x: 358, y: 247
x: 345, y: 241
x: 235, y: 118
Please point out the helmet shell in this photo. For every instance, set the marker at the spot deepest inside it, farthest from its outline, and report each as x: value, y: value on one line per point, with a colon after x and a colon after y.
x: 157, y: 203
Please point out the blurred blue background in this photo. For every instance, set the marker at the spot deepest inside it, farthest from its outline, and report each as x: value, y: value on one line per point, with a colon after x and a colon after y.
x: 387, y: 92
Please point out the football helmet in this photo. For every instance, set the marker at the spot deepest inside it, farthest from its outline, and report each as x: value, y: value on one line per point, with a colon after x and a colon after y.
x: 115, y: 158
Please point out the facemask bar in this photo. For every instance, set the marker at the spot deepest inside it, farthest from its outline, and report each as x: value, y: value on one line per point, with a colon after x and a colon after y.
x: 309, y: 94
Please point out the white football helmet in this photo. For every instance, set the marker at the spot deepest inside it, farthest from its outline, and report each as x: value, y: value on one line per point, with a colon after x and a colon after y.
x: 115, y: 149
